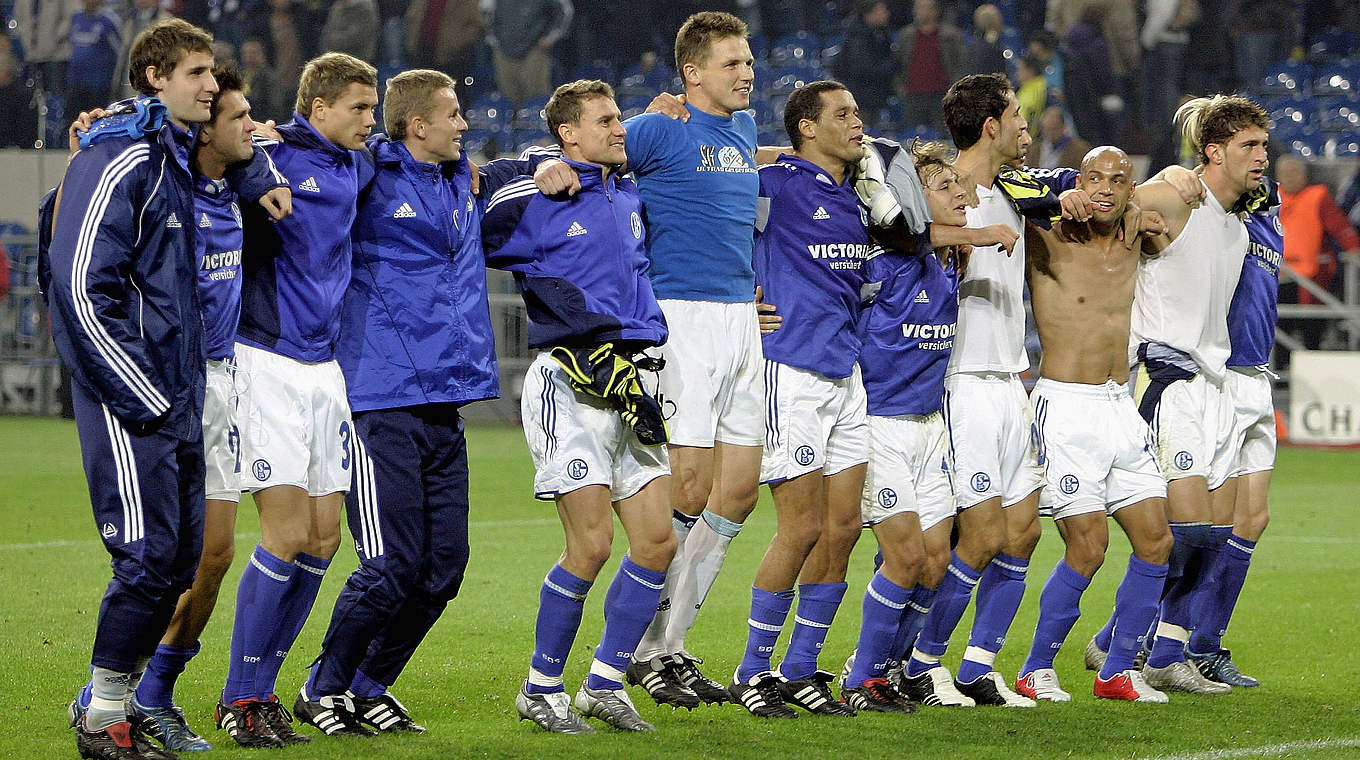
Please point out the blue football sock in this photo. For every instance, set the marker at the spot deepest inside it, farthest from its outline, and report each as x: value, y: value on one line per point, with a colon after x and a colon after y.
x: 157, y: 687
x: 884, y: 602
x: 258, y: 598
x: 769, y: 610
x: 629, y: 607
x: 1059, y: 608
x: 998, y: 599
x: 1185, y: 574
x: 1104, y: 634
x: 1135, y: 606
x: 292, y: 615
x: 560, y: 603
x: 817, y: 605
x: 951, y: 599
x: 913, y: 620
x: 1217, y: 604
x: 365, y: 687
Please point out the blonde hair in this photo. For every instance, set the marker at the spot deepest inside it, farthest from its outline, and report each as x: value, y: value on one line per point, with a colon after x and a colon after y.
x: 327, y: 76
x: 409, y: 94
x: 1215, y: 119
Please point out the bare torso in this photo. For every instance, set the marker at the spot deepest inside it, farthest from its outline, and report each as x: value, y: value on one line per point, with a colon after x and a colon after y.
x: 1082, y: 294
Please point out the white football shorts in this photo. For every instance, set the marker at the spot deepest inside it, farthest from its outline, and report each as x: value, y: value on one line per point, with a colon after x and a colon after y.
x: 1251, y: 390
x: 1096, y: 449
x: 295, y: 423
x: 813, y: 423
x: 711, y: 388
x: 908, y: 470
x: 992, y: 439
x: 1192, y: 428
x: 577, y: 440
x: 221, y: 434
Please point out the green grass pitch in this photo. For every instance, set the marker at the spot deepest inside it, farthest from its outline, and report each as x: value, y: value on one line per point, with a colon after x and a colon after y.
x: 1295, y: 629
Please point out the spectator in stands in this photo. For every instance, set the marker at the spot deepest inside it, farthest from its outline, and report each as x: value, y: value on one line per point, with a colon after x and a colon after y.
x: 522, y: 36
x: 281, y: 31
x: 18, y: 128
x: 224, y: 54
x: 985, y: 53
x: 1312, y: 222
x: 1165, y: 42
x: 261, y: 85
x: 866, y: 64
x: 1262, y: 33
x: 139, y: 15
x: 929, y: 59
x: 44, y: 30
x: 96, y: 41
x: 1043, y: 47
x: 1031, y: 89
x: 392, y: 16
x: 351, y: 27
x: 1090, y: 86
x: 653, y: 74
x: 441, y: 35
x: 1058, y: 147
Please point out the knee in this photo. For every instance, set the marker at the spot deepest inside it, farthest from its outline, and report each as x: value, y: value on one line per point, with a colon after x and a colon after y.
x: 324, y: 546
x: 1022, y: 543
x: 901, y: 563
x: 1156, y: 548
x: 981, y: 543
x: 802, y: 537
x: 935, y: 565
x: 654, y: 554
x: 1257, y: 524
x: 689, y: 491
x: 590, y: 555
x: 1085, y: 554
x: 738, y: 499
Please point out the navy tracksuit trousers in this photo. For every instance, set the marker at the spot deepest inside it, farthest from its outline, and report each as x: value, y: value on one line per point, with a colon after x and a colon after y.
x: 147, y: 494
x: 408, y: 513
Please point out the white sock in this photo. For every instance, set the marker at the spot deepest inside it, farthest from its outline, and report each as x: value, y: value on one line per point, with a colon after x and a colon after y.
x: 705, y: 551
x: 653, y: 643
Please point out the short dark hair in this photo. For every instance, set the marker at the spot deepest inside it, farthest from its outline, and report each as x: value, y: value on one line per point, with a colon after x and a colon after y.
x: 970, y: 102
x: 328, y: 75
x: 228, y: 80
x: 564, y: 107
x: 696, y: 35
x: 162, y: 46
x: 806, y: 103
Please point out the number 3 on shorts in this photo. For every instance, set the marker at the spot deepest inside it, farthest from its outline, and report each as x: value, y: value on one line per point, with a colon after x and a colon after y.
x: 344, y: 445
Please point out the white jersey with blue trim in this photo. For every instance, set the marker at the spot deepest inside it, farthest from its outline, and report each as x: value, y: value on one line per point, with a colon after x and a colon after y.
x: 991, y: 329
x: 811, y: 241
x: 1182, y: 294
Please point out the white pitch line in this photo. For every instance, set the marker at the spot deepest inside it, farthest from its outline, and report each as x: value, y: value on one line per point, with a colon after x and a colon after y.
x: 1269, y: 750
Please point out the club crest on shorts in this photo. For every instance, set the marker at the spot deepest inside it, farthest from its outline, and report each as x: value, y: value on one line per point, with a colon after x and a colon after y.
x: 803, y: 455
x: 261, y: 469
x: 1184, y: 461
x: 577, y: 469
x: 1069, y: 484
x: 981, y: 481
x: 887, y: 498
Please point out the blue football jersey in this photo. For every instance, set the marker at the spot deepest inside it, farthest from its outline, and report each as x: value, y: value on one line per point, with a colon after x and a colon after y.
x: 908, y: 330
x: 698, y: 184
x: 219, y: 265
x: 1252, y: 313
x: 811, y: 242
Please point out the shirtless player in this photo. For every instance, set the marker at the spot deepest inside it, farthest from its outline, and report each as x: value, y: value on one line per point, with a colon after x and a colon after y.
x: 1097, y: 449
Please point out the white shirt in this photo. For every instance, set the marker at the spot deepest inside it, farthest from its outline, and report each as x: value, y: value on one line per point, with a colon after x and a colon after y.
x: 991, y: 329
x: 1182, y: 295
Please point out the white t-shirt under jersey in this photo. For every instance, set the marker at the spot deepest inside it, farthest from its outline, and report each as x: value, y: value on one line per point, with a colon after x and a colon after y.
x: 1182, y: 295
x: 991, y: 329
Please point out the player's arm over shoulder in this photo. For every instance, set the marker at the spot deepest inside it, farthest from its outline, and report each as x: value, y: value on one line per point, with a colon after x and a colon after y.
x: 1162, y: 197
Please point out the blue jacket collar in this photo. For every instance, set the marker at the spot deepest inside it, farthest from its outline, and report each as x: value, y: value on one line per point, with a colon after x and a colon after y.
x: 808, y: 166
x: 301, y: 133
x: 388, y: 152
x: 591, y: 174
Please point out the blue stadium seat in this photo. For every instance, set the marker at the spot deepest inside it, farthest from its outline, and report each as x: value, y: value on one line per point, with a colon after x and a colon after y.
x: 1346, y: 145
x: 923, y: 131
x: 760, y: 46
x: 1291, y: 113
x: 1338, y: 78
x: 1340, y: 114
x: 490, y: 111
x: 1331, y: 43
x: 891, y: 115
x: 637, y: 82
x: 598, y: 69
x: 801, y: 46
x: 764, y: 112
x: 1306, y: 142
x: 633, y: 104
x: 1288, y: 78
x: 531, y: 116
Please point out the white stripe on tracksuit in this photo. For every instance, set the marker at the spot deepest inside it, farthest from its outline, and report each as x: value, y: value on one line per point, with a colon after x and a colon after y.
x: 129, y: 490
x: 366, y: 491
x: 118, y: 360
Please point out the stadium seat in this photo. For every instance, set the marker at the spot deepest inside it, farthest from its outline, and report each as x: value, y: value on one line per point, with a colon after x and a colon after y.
x: 531, y: 116
x: 1340, y: 114
x: 633, y: 104
x: 1346, y: 145
x: 1290, y: 113
x: 1306, y: 142
x: 1331, y: 43
x: 1338, y: 78
x: 1288, y: 78
x: 760, y: 46
x: 801, y: 46
x: 597, y: 69
x: 490, y: 111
